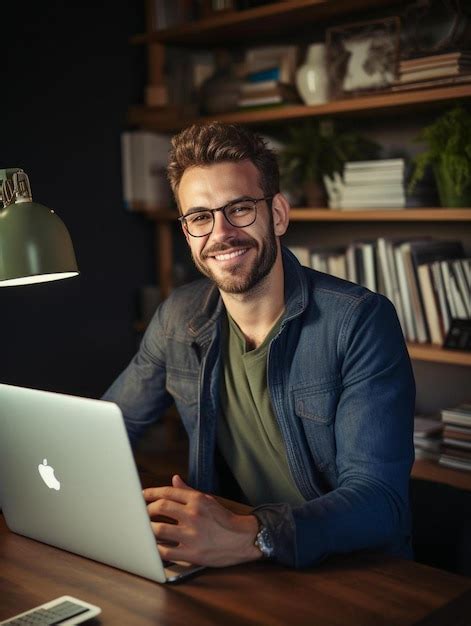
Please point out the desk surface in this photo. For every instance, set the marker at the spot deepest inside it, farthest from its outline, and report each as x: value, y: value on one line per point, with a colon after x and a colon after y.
x: 364, y: 591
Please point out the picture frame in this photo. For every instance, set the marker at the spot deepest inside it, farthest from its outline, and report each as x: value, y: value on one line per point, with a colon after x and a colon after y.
x: 363, y: 56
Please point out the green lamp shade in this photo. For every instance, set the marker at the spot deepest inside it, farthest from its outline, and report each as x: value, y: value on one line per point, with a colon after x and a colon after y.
x: 35, y: 245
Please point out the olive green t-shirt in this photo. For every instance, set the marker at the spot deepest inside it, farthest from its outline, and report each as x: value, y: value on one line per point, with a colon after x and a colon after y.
x: 249, y: 437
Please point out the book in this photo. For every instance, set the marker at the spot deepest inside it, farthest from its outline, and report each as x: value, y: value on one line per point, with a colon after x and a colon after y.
x: 368, y: 250
x: 330, y: 260
x: 404, y: 67
x: 457, y: 443
x: 271, y: 63
x: 459, y: 415
x: 337, y: 265
x: 446, y: 277
x: 433, y: 82
x: 386, y: 261
x: 457, y: 432
x: 248, y: 88
x: 432, y: 72
x: 421, y: 330
x: 270, y: 74
x: 427, y: 437
x: 374, y: 189
x: 466, y: 265
x: 439, y: 287
x: 409, y: 322
x: 302, y: 253
x: 462, y: 285
x: 372, y: 203
x: 375, y: 164
x: 456, y: 458
x: 355, y: 270
x: 276, y: 95
x: 424, y: 252
x: 352, y: 273
x: 376, y: 178
x: 437, y: 58
x: 144, y: 158
x: 437, y: 335
x: 458, y: 300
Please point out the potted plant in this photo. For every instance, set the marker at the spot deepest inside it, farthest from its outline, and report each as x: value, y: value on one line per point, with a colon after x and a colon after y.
x: 448, y: 141
x: 315, y: 149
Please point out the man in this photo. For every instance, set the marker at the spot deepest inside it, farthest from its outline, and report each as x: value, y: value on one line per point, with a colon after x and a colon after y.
x: 295, y: 387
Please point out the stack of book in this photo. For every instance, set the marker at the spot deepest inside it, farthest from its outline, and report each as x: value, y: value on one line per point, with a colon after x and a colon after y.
x: 428, y: 280
x: 436, y: 70
x: 456, y: 451
x: 369, y: 185
x: 427, y: 437
x: 269, y: 77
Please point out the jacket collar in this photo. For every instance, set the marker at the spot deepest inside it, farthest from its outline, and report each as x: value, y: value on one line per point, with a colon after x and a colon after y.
x: 296, y: 297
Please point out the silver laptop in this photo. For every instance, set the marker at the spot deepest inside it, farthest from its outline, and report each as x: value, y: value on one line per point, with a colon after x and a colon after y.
x: 68, y: 478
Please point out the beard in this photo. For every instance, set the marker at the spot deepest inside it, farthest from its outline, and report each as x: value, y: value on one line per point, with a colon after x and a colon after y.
x: 236, y: 280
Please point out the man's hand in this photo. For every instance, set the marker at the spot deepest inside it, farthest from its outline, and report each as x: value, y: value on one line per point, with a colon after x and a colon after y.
x: 205, y: 533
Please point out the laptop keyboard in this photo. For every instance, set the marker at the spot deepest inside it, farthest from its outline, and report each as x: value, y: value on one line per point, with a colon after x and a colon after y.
x: 57, y: 613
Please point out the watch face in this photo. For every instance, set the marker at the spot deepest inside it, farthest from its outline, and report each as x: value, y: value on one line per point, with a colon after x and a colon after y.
x: 264, y: 543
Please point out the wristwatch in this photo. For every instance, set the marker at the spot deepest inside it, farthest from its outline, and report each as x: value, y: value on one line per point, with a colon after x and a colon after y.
x: 263, y: 541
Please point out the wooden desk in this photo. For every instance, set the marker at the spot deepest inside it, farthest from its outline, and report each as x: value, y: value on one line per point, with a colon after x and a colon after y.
x: 343, y: 591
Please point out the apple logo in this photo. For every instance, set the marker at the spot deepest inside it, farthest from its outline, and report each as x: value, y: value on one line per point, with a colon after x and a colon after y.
x: 47, y: 474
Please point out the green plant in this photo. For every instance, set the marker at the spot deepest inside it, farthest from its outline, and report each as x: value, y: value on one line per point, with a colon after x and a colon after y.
x: 315, y: 149
x: 448, y: 142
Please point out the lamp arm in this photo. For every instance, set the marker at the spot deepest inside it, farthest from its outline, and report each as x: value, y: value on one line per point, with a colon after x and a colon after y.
x: 14, y: 186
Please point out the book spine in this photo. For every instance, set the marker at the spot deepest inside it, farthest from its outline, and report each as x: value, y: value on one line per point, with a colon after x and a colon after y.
x: 430, y: 304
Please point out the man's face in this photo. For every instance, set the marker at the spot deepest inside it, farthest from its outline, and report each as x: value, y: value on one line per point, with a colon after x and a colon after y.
x: 236, y: 259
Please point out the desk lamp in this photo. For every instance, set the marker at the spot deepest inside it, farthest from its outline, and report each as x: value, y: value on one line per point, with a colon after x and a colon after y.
x: 35, y: 245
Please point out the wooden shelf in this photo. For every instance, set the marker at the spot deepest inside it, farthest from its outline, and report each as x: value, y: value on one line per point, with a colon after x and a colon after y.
x: 257, y: 24
x: 435, y: 354
x: 155, y: 119
x: 430, y: 470
x: 381, y: 215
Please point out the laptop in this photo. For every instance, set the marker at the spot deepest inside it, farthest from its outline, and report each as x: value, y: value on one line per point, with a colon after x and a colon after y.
x: 68, y: 478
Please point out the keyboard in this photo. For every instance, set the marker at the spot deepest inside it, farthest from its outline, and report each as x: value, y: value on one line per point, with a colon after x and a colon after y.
x: 63, y: 611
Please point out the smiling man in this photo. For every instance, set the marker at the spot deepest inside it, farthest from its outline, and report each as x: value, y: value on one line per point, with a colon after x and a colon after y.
x: 294, y: 387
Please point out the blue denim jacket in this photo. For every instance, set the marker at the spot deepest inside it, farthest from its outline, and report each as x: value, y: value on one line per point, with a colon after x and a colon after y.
x: 342, y: 391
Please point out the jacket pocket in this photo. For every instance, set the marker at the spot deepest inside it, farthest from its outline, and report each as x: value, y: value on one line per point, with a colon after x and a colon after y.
x: 318, y: 406
x: 316, y: 410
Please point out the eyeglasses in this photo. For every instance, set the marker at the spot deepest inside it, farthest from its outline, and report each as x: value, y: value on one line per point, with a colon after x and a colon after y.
x: 239, y: 213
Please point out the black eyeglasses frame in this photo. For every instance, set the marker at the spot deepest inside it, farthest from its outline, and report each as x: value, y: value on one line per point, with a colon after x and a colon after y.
x: 182, y: 218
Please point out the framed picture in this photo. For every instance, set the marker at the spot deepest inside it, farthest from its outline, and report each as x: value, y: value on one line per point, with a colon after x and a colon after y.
x: 363, y: 56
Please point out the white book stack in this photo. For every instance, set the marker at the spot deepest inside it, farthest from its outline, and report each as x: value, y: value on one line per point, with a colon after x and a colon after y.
x: 144, y: 157
x: 433, y: 71
x: 377, y: 184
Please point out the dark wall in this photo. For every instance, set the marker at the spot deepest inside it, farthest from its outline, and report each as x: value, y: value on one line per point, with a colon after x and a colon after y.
x: 68, y: 77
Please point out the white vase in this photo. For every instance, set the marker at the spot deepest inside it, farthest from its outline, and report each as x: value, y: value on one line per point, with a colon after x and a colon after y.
x: 312, y: 79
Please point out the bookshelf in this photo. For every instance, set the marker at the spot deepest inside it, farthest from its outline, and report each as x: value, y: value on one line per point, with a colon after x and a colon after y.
x: 268, y: 23
x: 387, y: 103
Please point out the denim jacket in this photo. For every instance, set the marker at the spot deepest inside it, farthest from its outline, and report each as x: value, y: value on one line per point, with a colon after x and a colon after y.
x: 342, y: 391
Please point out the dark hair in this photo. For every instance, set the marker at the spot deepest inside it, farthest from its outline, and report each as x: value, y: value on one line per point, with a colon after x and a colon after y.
x: 201, y: 145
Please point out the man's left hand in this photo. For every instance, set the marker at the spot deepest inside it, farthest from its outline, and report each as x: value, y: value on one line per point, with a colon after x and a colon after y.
x: 205, y: 532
